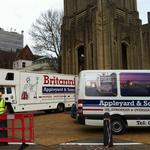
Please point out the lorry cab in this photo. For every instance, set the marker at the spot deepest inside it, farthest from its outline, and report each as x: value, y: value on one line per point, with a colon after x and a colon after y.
x: 8, y: 93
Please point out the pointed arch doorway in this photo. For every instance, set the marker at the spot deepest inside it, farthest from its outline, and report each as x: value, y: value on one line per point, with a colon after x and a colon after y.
x: 124, y: 50
x: 81, y: 58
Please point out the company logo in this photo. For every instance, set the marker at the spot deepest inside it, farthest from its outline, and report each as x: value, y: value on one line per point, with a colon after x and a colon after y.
x: 57, y: 81
x: 47, y: 89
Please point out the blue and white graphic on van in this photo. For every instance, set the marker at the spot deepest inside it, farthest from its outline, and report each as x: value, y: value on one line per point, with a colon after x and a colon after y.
x: 116, y: 103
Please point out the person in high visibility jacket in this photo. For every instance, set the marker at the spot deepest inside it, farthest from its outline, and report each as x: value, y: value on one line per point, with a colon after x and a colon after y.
x: 3, y: 123
x: 3, y: 107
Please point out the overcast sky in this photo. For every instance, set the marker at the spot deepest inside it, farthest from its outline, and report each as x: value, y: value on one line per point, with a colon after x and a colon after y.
x: 20, y: 14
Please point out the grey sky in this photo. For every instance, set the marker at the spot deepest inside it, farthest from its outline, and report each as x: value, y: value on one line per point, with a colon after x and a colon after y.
x: 17, y: 15
x: 143, y: 8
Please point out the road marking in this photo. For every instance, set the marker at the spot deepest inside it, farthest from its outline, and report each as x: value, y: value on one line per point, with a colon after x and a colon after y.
x: 100, y: 144
x: 19, y: 143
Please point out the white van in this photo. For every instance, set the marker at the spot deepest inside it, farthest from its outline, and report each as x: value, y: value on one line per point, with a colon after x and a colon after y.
x: 125, y: 94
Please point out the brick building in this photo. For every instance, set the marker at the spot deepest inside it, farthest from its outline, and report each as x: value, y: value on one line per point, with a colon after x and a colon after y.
x: 6, y: 59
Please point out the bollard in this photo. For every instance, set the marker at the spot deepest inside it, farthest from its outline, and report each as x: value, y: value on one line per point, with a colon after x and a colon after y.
x: 108, y: 141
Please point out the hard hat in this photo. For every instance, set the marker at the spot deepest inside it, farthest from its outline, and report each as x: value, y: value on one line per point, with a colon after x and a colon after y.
x: 1, y: 94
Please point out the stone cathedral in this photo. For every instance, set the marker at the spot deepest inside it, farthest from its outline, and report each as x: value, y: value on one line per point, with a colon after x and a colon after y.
x: 104, y: 34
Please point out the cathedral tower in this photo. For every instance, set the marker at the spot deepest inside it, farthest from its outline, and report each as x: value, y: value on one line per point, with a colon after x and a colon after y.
x: 101, y: 34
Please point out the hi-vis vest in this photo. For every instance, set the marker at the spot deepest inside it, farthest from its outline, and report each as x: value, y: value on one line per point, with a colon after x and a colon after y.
x: 2, y: 106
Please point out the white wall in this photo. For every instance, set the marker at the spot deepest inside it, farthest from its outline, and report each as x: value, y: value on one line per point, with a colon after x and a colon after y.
x: 18, y: 64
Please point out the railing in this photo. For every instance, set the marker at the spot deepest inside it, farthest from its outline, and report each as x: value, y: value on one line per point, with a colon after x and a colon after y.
x: 16, y: 128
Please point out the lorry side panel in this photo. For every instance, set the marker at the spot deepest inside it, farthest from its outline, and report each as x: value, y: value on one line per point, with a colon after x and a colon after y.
x: 48, y: 90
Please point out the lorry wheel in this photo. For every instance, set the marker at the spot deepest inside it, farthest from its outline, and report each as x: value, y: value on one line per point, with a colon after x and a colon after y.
x: 118, y: 125
x: 60, y: 108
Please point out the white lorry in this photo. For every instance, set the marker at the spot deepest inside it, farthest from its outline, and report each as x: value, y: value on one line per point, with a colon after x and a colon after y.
x: 124, y: 94
x: 31, y: 91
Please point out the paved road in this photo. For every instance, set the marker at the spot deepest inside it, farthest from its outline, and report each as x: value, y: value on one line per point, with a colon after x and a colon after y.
x: 88, y: 144
x: 53, y: 129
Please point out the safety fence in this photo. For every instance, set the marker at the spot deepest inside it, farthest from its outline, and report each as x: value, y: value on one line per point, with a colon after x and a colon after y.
x: 16, y: 127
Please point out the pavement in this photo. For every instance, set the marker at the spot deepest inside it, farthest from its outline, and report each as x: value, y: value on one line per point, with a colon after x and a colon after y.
x: 87, y: 144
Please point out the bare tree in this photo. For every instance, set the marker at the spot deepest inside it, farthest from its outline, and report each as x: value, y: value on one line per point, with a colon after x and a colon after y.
x: 46, y: 34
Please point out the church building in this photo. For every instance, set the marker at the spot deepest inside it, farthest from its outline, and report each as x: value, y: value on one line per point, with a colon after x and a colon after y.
x: 104, y: 34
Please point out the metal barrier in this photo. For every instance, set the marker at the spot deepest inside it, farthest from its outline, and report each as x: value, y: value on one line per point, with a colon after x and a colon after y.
x: 19, y: 128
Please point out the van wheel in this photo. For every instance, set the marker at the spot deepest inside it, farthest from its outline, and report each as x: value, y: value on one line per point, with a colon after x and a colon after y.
x: 118, y: 125
x: 60, y: 108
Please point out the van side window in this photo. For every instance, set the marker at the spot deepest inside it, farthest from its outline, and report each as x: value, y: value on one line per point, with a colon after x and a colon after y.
x: 10, y: 76
x: 103, y: 84
x: 8, y: 90
x: 135, y: 84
